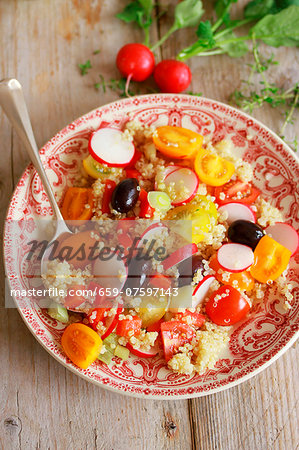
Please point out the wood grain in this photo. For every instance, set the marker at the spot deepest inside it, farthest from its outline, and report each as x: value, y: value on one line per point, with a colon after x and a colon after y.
x: 42, y: 404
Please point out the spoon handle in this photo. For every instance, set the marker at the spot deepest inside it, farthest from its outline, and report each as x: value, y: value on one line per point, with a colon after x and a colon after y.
x: 13, y: 102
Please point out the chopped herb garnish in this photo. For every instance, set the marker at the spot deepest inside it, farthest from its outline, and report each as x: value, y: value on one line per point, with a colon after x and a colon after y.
x: 84, y: 67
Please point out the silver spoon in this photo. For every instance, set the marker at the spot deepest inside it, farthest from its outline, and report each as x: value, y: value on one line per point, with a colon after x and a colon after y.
x: 13, y: 103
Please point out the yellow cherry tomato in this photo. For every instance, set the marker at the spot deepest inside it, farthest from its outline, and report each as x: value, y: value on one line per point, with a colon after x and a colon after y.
x: 81, y: 344
x: 212, y: 169
x: 177, y: 142
x: 270, y: 260
x: 203, y: 214
x: 96, y: 170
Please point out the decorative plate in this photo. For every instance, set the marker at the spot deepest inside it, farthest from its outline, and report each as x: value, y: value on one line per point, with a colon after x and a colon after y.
x: 269, y: 330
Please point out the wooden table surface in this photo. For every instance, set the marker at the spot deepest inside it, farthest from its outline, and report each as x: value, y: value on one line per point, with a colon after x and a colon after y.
x: 43, y: 405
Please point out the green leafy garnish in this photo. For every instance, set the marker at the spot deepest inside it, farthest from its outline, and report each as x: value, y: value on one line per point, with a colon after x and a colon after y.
x: 186, y: 14
x: 84, y: 67
x: 140, y: 12
x: 250, y: 98
x: 276, y: 30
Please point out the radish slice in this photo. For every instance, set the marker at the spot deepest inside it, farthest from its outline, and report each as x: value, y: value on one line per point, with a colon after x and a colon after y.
x: 110, y: 273
x: 237, y: 211
x: 179, y: 255
x: 285, y: 235
x: 201, y: 290
x: 235, y: 257
x: 111, y: 324
x: 150, y: 233
x: 143, y: 353
x: 183, y: 184
x: 108, y: 146
x: 167, y: 171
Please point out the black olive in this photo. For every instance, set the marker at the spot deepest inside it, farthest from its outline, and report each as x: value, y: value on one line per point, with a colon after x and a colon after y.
x: 137, y: 273
x: 194, y: 263
x: 245, y: 232
x: 125, y: 195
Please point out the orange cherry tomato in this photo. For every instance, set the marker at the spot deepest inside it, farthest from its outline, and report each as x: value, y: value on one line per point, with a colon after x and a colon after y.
x: 270, y: 260
x: 212, y: 169
x: 177, y: 142
x: 244, y: 280
x: 77, y: 204
x: 81, y: 344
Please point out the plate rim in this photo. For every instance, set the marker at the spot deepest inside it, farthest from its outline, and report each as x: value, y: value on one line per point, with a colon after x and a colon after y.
x: 74, y: 370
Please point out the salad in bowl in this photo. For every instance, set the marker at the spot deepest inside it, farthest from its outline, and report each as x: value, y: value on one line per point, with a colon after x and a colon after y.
x: 159, y: 176
x: 212, y: 193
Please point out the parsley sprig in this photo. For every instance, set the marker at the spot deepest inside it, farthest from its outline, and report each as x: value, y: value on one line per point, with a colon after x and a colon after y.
x: 249, y: 97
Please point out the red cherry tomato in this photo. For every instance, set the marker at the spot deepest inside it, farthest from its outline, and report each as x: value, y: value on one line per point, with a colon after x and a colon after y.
x: 172, y: 76
x: 227, y: 306
x: 135, y: 60
x: 248, y: 195
x: 174, y: 335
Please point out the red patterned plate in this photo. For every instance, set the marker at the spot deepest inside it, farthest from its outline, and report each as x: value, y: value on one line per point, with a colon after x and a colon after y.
x: 257, y: 342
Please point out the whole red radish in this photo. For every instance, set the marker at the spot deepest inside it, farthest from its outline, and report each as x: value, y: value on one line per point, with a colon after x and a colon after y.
x: 135, y: 61
x: 172, y: 76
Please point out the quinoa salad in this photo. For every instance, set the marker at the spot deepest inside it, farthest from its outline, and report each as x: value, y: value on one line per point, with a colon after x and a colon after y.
x: 144, y: 178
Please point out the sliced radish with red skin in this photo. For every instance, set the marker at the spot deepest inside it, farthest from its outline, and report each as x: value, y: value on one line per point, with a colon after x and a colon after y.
x: 109, y: 146
x: 150, y: 232
x: 238, y: 211
x: 179, y: 255
x: 167, y: 171
x: 201, y: 290
x: 285, y: 235
x: 112, y: 324
x: 143, y: 353
x: 111, y: 273
x: 183, y: 178
x: 235, y: 257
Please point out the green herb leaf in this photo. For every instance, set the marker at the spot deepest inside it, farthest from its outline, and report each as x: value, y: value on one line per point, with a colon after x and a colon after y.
x: 233, y: 49
x: 205, y: 34
x: 147, y: 5
x: 222, y: 9
x: 279, y: 29
x: 256, y: 9
x: 84, y: 67
x: 188, y: 13
x: 96, y: 52
x: 132, y: 13
x: 138, y: 11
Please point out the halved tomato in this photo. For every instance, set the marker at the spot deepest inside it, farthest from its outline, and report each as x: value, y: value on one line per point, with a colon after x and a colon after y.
x: 203, y: 214
x: 174, y: 335
x: 97, y: 170
x: 237, y: 192
x: 270, y: 260
x: 227, y: 306
x: 77, y: 204
x: 177, y: 142
x: 81, y: 344
x: 212, y: 169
